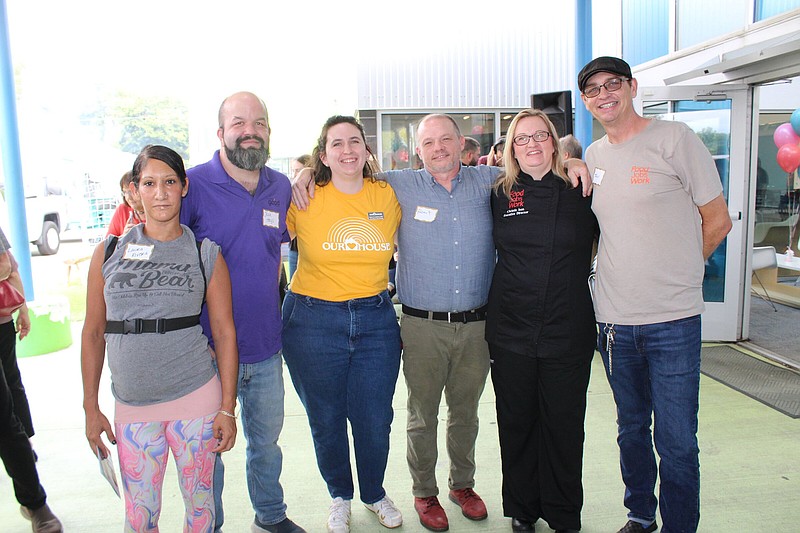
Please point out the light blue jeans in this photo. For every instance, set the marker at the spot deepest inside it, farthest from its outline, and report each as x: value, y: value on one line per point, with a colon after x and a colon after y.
x: 260, y: 392
x: 654, y: 373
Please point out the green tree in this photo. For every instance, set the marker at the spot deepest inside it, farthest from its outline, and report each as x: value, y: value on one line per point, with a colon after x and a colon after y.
x: 153, y: 120
x: 716, y: 142
x: 140, y: 120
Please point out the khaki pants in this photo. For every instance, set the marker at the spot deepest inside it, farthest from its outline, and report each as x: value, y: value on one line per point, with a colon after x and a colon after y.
x: 454, y: 358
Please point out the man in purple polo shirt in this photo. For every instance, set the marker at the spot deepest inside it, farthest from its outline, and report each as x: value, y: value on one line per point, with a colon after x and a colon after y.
x: 239, y: 203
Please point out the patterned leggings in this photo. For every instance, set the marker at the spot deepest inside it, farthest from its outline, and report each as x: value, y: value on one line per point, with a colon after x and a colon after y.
x: 143, y: 448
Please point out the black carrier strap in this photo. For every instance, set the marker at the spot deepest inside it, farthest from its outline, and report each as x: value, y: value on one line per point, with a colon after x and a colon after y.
x: 156, y: 325
x: 111, y: 245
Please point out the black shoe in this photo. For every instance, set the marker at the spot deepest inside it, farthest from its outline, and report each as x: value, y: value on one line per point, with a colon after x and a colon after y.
x: 519, y: 524
x: 284, y: 526
x: 567, y: 531
x: 635, y: 527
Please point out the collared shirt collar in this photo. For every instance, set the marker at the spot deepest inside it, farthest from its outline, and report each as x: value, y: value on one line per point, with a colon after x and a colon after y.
x: 221, y: 175
x: 432, y: 180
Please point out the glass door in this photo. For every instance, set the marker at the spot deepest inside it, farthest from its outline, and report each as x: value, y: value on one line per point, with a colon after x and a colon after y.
x: 722, y: 117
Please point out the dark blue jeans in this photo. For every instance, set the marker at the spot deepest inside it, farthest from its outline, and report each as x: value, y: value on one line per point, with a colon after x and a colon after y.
x: 654, y: 373
x: 344, y: 359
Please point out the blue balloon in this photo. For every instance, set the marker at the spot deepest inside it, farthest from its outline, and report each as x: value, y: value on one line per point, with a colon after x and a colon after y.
x: 795, y: 121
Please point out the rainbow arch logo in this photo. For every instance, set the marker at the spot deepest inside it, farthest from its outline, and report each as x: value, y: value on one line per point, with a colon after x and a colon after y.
x: 355, y: 235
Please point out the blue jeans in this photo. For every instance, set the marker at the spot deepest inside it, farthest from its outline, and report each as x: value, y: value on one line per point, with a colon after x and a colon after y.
x: 260, y: 392
x: 344, y: 359
x: 292, y: 264
x: 654, y: 372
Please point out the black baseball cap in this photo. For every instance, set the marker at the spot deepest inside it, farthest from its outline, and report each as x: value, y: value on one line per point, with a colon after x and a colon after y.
x: 614, y: 65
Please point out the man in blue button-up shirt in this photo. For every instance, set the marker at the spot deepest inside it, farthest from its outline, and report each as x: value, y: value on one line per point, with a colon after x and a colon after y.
x: 446, y: 259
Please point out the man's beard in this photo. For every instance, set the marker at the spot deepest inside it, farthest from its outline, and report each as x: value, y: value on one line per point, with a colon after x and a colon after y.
x: 248, y: 158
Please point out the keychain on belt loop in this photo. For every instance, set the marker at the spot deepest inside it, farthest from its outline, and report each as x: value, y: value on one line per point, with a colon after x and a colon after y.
x: 608, y: 330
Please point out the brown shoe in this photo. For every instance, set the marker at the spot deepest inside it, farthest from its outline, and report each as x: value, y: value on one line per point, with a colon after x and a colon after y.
x: 431, y: 514
x: 42, y: 519
x: 471, y: 504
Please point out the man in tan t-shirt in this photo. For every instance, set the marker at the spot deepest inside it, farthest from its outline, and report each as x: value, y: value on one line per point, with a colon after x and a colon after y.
x: 659, y: 203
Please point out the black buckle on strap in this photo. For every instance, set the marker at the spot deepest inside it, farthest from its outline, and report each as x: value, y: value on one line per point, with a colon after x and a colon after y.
x: 132, y: 325
x: 151, y: 325
x: 457, y: 317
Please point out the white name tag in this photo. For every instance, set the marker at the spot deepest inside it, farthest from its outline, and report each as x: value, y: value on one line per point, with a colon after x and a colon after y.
x: 138, y: 252
x: 425, y: 214
x: 597, y: 177
x: 270, y: 219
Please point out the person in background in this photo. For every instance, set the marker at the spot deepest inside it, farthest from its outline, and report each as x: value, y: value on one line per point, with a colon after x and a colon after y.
x: 341, y: 340
x: 15, y: 420
x: 570, y: 147
x: 540, y: 327
x: 164, y: 377
x: 495, y: 156
x: 130, y: 212
x: 8, y: 345
x: 297, y: 164
x: 658, y: 199
x: 240, y: 203
x: 471, y: 152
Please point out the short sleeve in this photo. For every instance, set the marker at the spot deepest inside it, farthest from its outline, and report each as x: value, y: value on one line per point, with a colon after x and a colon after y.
x: 209, y: 250
x: 695, y: 167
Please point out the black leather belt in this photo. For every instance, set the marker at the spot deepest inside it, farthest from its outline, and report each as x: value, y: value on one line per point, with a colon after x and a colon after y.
x: 157, y: 325
x: 462, y: 316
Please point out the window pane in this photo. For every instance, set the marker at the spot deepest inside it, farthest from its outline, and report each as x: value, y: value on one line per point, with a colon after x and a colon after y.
x: 645, y: 30
x: 770, y: 8
x: 398, y: 136
x: 701, y: 21
x: 777, y: 200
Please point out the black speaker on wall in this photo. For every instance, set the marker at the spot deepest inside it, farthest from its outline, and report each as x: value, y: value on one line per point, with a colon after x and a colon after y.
x: 558, y: 107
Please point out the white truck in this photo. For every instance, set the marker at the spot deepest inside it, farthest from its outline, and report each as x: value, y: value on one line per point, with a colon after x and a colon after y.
x: 47, y: 219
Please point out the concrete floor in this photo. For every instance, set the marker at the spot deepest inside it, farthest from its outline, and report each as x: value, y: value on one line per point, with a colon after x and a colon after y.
x: 750, y: 460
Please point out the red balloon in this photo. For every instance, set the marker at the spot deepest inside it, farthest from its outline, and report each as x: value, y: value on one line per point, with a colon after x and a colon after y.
x: 789, y: 157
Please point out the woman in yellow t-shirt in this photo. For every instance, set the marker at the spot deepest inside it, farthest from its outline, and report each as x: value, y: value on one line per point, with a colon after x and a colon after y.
x: 341, y: 340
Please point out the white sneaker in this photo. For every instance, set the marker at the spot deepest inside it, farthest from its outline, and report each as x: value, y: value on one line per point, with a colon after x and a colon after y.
x: 388, y: 513
x: 339, y: 516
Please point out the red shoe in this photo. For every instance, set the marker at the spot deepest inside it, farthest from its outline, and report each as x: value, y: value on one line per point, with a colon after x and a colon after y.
x: 471, y: 504
x: 431, y: 514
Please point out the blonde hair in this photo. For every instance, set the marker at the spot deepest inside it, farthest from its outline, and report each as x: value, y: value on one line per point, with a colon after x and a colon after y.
x: 510, y: 175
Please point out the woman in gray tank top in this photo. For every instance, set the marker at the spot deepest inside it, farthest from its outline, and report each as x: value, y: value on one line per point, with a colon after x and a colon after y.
x: 144, y: 297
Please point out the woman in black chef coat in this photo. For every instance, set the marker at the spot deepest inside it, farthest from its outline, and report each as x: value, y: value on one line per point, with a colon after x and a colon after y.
x: 540, y: 327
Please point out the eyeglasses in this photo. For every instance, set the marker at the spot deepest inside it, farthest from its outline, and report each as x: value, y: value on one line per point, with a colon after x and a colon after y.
x: 612, y: 85
x: 539, y: 136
